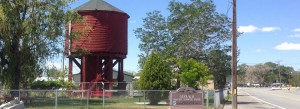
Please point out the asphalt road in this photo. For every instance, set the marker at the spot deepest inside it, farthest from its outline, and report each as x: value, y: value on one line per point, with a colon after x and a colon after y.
x: 282, y: 99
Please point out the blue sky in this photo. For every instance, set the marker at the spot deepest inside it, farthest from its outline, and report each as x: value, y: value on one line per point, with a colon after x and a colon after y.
x: 271, y: 28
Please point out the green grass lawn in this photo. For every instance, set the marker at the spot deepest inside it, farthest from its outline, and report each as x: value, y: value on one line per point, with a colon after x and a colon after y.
x: 122, y: 102
x: 94, y: 103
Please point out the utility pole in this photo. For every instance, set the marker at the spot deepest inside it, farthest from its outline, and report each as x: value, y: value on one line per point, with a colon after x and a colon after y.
x: 279, y: 75
x: 234, y: 58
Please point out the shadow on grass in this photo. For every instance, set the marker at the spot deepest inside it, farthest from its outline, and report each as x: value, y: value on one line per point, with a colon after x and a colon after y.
x: 242, y: 95
x: 50, y: 102
x: 230, y: 102
x: 81, y: 102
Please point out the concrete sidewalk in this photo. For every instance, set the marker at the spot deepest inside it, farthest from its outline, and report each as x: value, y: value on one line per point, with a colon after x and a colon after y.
x: 246, y: 101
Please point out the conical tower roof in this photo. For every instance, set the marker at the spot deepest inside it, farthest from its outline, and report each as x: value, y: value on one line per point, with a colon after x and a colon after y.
x: 98, y: 5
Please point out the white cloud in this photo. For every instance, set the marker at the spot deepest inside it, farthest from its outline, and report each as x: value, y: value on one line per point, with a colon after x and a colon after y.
x: 269, y: 29
x: 288, y: 46
x: 258, y: 50
x: 247, y: 29
x: 297, y: 30
x: 133, y: 22
x: 251, y: 28
x: 294, y: 35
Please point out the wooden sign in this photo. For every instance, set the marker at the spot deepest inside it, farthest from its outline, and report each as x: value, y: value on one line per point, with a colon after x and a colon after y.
x: 186, y: 97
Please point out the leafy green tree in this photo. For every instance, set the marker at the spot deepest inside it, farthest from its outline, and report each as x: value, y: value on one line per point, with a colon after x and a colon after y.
x: 56, y: 74
x: 267, y: 73
x: 271, y: 64
x: 241, y: 73
x: 197, y: 28
x: 31, y: 32
x: 295, y: 80
x: 270, y: 78
x: 192, y: 30
x: 193, y: 74
x: 283, y: 71
x: 50, y: 84
x: 154, y: 36
x: 219, y: 69
x: 155, y: 76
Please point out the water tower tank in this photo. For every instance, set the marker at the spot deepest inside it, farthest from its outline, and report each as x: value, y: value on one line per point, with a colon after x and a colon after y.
x: 105, y: 38
x: 107, y: 31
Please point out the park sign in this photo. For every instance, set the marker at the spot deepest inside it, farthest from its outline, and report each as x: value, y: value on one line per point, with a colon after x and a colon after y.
x: 186, y: 98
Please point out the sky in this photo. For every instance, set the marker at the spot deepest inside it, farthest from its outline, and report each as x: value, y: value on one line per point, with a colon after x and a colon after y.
x: 270, y: 28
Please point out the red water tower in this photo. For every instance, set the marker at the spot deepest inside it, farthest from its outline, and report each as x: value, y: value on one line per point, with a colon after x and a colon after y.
x: 101, y: 47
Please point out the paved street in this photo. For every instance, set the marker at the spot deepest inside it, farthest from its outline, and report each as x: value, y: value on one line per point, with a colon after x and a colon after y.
x: 278, y: 98
x: 265, y: 98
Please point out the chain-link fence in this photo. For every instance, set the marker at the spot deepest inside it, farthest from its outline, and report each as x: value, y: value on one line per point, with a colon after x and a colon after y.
x: 48, y: 99
x: 112, y: 98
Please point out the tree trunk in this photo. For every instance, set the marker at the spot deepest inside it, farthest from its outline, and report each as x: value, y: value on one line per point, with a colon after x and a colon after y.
x: 15, y: 67
x: 177, y: 83
x: 16, y: 80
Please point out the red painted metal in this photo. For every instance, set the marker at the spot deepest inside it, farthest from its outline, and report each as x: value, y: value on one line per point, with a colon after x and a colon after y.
x: 105, y: 38
x: 83, y: 72
x: 108, y: 32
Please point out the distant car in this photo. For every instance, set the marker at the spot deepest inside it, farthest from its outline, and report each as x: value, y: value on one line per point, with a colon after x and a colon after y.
x: 276, y: 86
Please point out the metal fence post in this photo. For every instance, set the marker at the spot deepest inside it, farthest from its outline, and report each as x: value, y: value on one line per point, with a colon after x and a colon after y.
x: 55, y: 98
x: 215, y: 99
x: 144, y: 100
x: 130, y: 85
x: 88, y: 96
x: 19, y: 95
x: 103, y: 95
x: 207, y: 99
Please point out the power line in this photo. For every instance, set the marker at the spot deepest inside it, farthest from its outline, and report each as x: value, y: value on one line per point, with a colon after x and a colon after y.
x: 228, y: 7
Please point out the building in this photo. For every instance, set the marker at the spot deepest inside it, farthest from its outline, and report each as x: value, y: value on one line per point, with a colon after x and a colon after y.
x: 128, y: 78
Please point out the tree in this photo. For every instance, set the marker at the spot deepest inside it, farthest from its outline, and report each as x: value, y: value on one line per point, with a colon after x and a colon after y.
x: 56, y: 74
x: 285, y: 73
x: 271, y: 64
x: 154, y: 36
x: 197, y: 28
x: 155, y: 76
x: 295, y: 80
x: 219, y: 69
x: 258, y: 73
x: 280, y: 70
x: 55, y: 81
x: 266, y: 73
x: 270, y: 78
x: 31, y: 32
x: 193, y: 74
x: 193, y: 30
x: 241, y: 73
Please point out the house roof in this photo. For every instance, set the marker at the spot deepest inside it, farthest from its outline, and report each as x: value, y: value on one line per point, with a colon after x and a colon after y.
x: 98, y: 5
